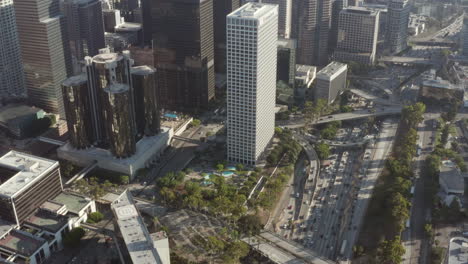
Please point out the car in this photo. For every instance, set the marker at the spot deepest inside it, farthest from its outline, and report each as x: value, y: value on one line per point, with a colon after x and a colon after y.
x: 290, y: 207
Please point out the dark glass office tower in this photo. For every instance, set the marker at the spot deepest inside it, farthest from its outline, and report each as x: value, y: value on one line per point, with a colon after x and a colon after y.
x: 221, y: 8
x: 146, y: 107
x: 183, y: 45
x: 78, y: 111
x: 85, y: 29
x: 313, y: 28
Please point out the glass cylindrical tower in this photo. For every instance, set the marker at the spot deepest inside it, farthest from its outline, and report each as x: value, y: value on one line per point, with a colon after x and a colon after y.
x: 146, y: 106
x: 78, y: 111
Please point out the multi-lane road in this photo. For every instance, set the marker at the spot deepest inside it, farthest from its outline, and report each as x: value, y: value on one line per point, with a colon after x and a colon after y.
x: 413, y: 237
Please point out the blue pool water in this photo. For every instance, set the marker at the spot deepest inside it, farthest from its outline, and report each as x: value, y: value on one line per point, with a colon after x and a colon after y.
x: 231, y: 168
x: 170, y: 115
x: 227, y: 173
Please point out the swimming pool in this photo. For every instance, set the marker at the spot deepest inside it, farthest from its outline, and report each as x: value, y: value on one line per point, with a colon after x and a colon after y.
x: 227, y: 173
x: 231, y: 168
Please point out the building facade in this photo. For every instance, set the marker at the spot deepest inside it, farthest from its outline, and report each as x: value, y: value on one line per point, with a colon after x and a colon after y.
x: 330, y: 81
x: 183, y: 53
x: 146, y: 106
x: 464, y: 38
x: 85, y: 28
x: 397, y: 25
x: 78, y: 109
x: 358, y: 33
x: 113, y: 105
x: 44, y: 51
x: 27, y: 182
x: 284, y: 16
x: 286, y: 61
x: 313, y: 29
x: 11, y: 66
x: 252, y: 32
x: 337, y: 6
x: 221, y: 8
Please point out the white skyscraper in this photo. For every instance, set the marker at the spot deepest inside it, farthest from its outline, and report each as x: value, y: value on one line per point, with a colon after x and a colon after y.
x: 252, y: 34
x: 11, y: 66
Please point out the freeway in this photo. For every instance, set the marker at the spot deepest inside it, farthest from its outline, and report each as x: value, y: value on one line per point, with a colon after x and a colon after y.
x: 382, y: 111
x: 370, y: 171
x: 280, y: 250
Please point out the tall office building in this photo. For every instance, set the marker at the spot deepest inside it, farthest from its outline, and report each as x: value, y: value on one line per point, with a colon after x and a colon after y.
x: 358, y: 33
x: 44, y: 50
x: 85, y: 29
x: 330, y: 81
x: 284, y: 16
x: 183, y: 52
x: 221, y: 8
x: 397, y: 25
x: 464, y: 38
x: 146, y: 105
x: 286, y: 61
x: 113, y: 105
x: 314, y: 18
x: 337, y: 6
x: 11, y: 66
x: 252, y: 32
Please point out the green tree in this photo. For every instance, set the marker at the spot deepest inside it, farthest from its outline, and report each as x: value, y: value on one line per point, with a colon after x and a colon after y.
x: 95, y: 217
x: 250, y: 225
x: 124, y: 179
x: 73, y: 238
x: 235, y: 251
x: 428, y: 230
x: 240, y: 167
x: 323, y: 150
x: 391, y: 251
x: 278, y: 130
x: 195, y: 122
x: 219, y: 167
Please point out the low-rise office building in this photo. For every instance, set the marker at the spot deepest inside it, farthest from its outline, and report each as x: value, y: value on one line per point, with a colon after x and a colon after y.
x: 140, y: 245
x: 35, y: 214
x: 330, y: 82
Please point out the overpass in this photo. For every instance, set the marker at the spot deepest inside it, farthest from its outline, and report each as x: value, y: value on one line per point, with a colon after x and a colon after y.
x: 185, y: 139
x: 373, y: 98
x: 407, y: 60
x: 280, y: 251
x: 51, y: 141
x: 359, y: 114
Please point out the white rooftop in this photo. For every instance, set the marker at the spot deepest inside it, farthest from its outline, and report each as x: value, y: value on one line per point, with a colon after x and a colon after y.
x: 107, y: 58
x: 456, y: 251
x: 29, y: 170
x: 332, y: 69
x: 252, y: 10
x: 134, y: 232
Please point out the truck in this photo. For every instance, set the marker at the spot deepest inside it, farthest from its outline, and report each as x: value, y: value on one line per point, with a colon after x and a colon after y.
x: 343, y: 248
x: 412, y: 190
x: 407, y: 223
